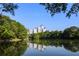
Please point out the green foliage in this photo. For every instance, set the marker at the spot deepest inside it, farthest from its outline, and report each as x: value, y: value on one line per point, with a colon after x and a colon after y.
x: 11, y: 29
x: 8, y: 7
x: 55, y: 8
x: 71, y: 45
x: 69, y: 33
x: 13, y: 48
x: 20, y: 30
x: 7, y: 34
x: 56, y: 34
x: 72, y: 32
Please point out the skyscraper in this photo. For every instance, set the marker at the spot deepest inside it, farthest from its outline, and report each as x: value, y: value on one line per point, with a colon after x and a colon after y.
x: 39, y: 29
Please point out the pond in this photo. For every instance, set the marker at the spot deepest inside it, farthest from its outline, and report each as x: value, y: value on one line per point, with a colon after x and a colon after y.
x: 52, y: 48
x: 41, y: 47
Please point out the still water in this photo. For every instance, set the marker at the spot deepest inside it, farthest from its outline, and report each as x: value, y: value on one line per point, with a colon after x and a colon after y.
x: 41, y: 47
x: 53, y: 48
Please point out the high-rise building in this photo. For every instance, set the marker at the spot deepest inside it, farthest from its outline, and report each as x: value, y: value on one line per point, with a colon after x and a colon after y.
x: 35, y: 30
x: 39, y: 29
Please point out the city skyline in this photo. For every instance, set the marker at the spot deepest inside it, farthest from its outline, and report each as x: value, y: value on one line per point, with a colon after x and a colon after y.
x: 38, y: 29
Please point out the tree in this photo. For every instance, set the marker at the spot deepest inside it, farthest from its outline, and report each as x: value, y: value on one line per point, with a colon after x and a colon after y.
x: 55, y: 8
x: 56, y: 34
x: 7, y: 7
x: 10, y: 29
x: 72, y: 33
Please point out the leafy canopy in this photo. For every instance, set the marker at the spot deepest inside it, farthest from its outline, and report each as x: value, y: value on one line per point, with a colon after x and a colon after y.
x: 10, y: 29
x: 55, y: 8
x: 8, y: 7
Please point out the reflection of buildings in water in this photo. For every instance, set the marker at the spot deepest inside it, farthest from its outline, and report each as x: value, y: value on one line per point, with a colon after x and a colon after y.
x: 30, y: 45
x: 37, y: 46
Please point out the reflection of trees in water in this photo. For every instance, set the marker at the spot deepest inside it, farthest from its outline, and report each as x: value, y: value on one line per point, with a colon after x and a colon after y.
x: 72, y: 45
x: 12, y: 49
x: 42, y: 44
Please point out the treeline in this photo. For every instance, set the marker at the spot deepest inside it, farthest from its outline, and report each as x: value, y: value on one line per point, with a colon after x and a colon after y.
x: 68, y: 33
x: 10, y: 29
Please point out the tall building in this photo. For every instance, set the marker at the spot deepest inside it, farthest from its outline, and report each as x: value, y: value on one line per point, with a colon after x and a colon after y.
x: 39, y: 29
x: 35, y: 30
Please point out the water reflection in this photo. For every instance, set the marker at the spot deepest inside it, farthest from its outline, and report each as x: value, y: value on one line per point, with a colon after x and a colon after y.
x: 43, y: 47
x: 71, y: 45
x: 12, y: 48
x: 39, y: 47
x: 52, y: 47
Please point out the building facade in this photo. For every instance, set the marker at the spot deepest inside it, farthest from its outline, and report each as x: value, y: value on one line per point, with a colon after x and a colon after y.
x: 39, y: 29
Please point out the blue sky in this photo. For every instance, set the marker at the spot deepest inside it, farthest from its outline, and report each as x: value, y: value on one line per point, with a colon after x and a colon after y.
x: 32, y: 15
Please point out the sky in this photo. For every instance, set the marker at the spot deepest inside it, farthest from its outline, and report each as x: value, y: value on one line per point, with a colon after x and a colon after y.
x: 32, y: 15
